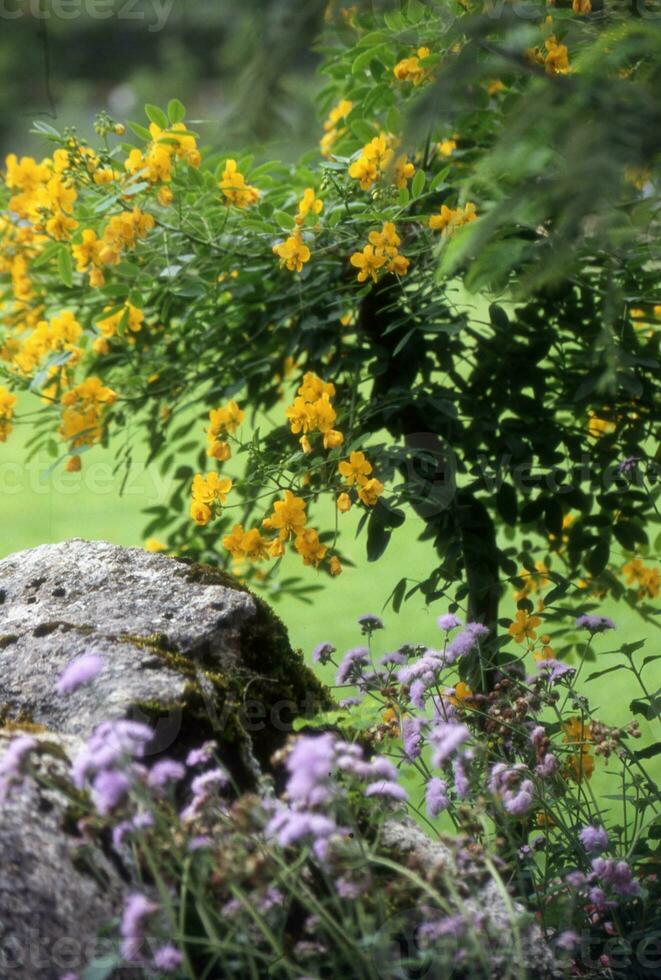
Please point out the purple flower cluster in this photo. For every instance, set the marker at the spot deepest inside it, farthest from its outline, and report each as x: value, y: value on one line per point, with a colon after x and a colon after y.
x: 315, y: 765
x: 607, y: 876
x: 351, y: 665
x: 511, y: 785
x: 106, y: 762
x: 595, y: 624
x: 137, y: 910
x: 594, y: 839
x: 82, y: 670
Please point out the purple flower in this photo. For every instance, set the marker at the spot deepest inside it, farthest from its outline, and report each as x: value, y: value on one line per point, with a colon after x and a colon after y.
x: 628, y: 465
x: 137, y: 910
x: 168, y: 959
x: 199, y: 755
x: 198, y: 842
x: 594, y: 838
x: 109, y: 788
x: 290, y: 826
x: 412, y: 737
x: 388, y: 788
x: 212, y: 777
x: 568, y: 940
x: 350, y: 702
x: 351, y: 665
x: 595, y: 624
x: 323, y: 653
x: 446, y: 739
x: 80, y: 671
x: 547, y: 766
x: 461, y: 784
x: 164, y: 772
x: 616, y: 875
x: 310, y: 766
x: 16, y: 754
x: 417, y: 693
x: 436, y: 796
x: 369, y: 622
x: 465, y: 641
x: 110, y: 743
x: 520, y: 802
x: 555, y: 670
x: 448, y: 622
x: 393, y: 658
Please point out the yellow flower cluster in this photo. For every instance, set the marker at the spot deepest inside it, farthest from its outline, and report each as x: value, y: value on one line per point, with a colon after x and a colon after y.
x: 374, y: 160
x: 410, y: 69
x: 646, y: 579
x: 209, y: 493
x: 228, y: 418
x: 234, y: 187
x: 312, y: 411
x: 332, y: 128
x: 449, y: 219
x: 581, y: 764
x: 108, y: 327
x: 58, y: 335
x: 553, y: 57
x: 123, y: 232
x: 293, y: 252
x: 44, y: 197
x: 84, y: 410
x: 356, y: 472
x: 524, y: 626
x: 156, y: 162
x: 382, y: 252
x: 7, y: 403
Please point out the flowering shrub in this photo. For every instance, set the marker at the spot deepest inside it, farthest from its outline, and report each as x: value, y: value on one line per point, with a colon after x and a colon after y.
x: 316, y: 320
x: 300, y: 880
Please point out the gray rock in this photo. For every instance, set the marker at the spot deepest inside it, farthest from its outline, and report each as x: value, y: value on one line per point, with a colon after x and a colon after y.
x: 509, y: 940
x: 56, y: 892
x: 185, y: 648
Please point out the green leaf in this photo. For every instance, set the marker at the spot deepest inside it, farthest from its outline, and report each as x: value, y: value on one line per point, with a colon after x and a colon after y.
x: 156, y: 115
x: 649, y: 751
x: 140, y: 131
x: 597, y: 560
x: 418, y: 183
x: 65, y: 266
x: 284, y: 219
x: 176, y: 111
x: 506, y: 504
x: 647, y: 707
x: 498, y: 317
x: 398, y: 594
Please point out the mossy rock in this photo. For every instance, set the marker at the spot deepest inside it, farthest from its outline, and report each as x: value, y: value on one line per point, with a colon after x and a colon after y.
x: 185, y: 647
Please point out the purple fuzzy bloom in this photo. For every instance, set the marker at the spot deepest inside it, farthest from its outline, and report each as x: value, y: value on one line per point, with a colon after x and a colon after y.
x: 554, y: 670
x: 351, y: 665
x: 80, y: 671
x: 168, y: 959
x: 142, y: 819
x: 387, y: 788
x: 616, y: 875
x: 448, y: 622
x: 323, y: 653
x: 465, y: 642
x: 310, y: 765
x: 290, y: 826
x: 393, y: 658
x: 417, y: 693
x: 350, y: 702
x: 520, y: 802
x: 15, y: 756
x: 537, y: 734
x: 199, y: 755
x: 594, y: 838
x: 370, y: 622
x: 212, y: 777
x: 595, y: 624
x: 575, y: 879
x: 109, y: 788
x: 461, y: 783
x: 568, y: 940
x: 412, y: 737
x: 165, y: 771
x: 547, y: 766
x: 436, y: 796
x: 137, y: 910
x: 446, y: 739
x: 198, y: 842
x: 479, y: 630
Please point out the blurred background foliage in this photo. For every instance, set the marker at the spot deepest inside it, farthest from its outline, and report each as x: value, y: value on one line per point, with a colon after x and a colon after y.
x: 247, y: 70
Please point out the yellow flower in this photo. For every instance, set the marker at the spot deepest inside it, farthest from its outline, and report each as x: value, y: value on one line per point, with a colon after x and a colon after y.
x: 332, y: 129
x: 410, y: 69
x: 154, y: 545
x: 523, y: 627
x: 355, y: 469
x: 74, y: 464
x: 449, y: 219
x: 556, y: 60
x: 288, y: 516
x: 335, y: 566
x: 233, y: 542
x: 219, y: 450
x: 404, y: 170
x: 309, y: 547
x: 227, y: 418
x: 495, y: 86
x: 369, y: 491
x: 581, y: 6
x: 343, y: 503
x: 365, y: 171
x: 200, y: 512
x: 598, y: 427
x: 7, y: 403
x: 647, y: 579
x: 333, y: 439
x: 211, y: 488
x: 447, y: 147
x: 368, y: 262
x: 234, y: 187
x: 293, y: 252
x: 308, y: 204
x: 462, y: 692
